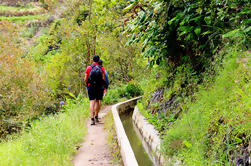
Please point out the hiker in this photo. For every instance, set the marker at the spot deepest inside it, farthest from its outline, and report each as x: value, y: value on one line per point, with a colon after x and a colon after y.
x: 95, y: 81
x: 106, y: 75
x: 105, y: 87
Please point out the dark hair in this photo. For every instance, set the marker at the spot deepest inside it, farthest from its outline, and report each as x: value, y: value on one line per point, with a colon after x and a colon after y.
x: 96, y: 58
x: 100, y: 62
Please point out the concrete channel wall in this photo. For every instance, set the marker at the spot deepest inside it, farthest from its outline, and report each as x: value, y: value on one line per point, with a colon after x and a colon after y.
x: 125, y: 147
x: 148, y: 135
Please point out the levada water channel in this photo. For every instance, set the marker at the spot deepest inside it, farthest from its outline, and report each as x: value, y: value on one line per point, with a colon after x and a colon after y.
x: 138, y: 149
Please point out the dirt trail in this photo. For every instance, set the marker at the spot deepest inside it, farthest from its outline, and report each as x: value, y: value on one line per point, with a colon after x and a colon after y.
x: 94, y: 151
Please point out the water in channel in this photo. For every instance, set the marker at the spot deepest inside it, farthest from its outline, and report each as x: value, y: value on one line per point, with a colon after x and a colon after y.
x: 138, y: 149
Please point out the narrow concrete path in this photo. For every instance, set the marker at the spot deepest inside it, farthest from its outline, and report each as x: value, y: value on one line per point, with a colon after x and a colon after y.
x: 94, y: 151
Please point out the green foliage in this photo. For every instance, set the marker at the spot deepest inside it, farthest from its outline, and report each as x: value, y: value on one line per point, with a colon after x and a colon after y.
x: 4, y: 8
x: 187, y: 39
x: 215, y: 127
x: 112, y: 96
x: 61, y: 56
x: 31, y: 31
x: 67, y: 49
x: 178, y: 29
x: 49, y: 4
x: 21, y: 11
x: 24, y: 18
x: 130, y: 90
x: 160, y: 120
x: 123, y: 62
x: 117, y: 94
x: 50, y: 141
x: 23, y: 95
x: 7, y: 8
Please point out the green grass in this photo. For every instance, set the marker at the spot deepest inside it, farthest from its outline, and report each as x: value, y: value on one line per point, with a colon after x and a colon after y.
x: 50, y: 141
x: 24, y: 18
x: 4, y: 8
x: 8, y: 8
x: 112, y: 139
x: 215, y: 126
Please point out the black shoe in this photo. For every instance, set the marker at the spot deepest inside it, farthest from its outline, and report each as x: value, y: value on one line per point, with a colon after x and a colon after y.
x: 92, y: 121
x: 96, y: 119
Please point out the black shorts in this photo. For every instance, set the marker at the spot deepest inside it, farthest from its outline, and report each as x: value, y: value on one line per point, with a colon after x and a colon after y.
x: 95, y: 93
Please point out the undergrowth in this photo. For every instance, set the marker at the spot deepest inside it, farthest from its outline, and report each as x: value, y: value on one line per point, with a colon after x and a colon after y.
x: 215, y: 127
x: 121, y: 93
x: 50, y: 141
x: 203, y: 118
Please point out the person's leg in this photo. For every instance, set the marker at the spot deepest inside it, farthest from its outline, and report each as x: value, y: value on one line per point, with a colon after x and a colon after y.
x: 92, y: 105
x: 92, y: 108
x: 100, y: 93
x: 99, y: 101
x: 97, y: 108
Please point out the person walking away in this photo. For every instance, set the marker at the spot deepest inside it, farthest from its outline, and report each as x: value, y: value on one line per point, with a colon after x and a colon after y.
x: 95, y: 81
x: 105, y: 87
x: 106, y: 77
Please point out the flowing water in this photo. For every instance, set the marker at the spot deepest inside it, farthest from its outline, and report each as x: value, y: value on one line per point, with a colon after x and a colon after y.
x: 138, y: 149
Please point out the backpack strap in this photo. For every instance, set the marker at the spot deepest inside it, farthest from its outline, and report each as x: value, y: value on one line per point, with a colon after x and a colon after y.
x: 89, y: 79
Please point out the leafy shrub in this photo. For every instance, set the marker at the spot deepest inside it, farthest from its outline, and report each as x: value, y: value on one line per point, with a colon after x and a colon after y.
x: 111, y: 97
x: 130, y: 90
x: 116, y: 94
x: 61, y: 55
x: 177, y: 29
x: 23, y: 94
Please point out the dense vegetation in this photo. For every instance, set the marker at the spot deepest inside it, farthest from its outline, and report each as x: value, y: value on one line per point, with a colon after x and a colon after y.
x: 49, y: 56
x: 191, y: 58
x: 200, y: 89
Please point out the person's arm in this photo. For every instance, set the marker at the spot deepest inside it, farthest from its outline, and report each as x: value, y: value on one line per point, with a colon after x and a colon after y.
x: 86, y: 84
x: 103, y: 73
x: 106, y: 80
x: 86, y: 77
x: 103, y: 76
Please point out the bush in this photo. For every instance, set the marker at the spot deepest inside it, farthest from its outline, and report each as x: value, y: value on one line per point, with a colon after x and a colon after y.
x: 23, y: 94
x: 111, y: 97
x: 179, y: 29
x: 116, y: 94
x: 130, y: 90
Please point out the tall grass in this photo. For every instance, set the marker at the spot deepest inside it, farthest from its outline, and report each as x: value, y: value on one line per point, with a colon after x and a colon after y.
x: 50, y: 141
x: 215, y: 127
